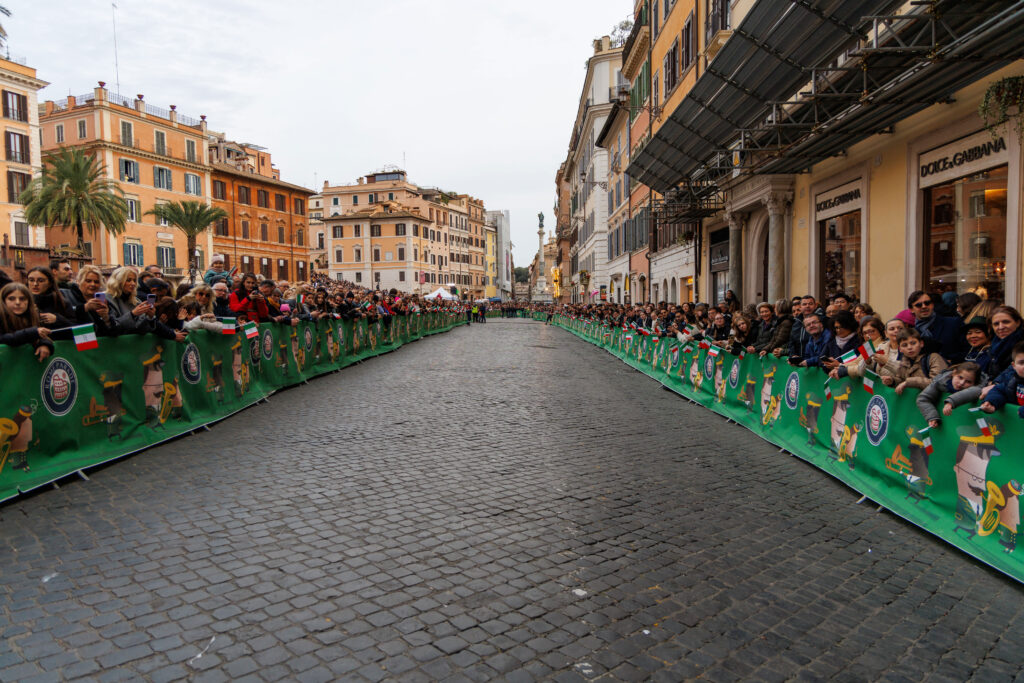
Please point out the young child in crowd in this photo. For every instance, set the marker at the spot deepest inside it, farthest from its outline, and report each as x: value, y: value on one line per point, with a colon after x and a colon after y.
x: 954, y: 382
x: 195, y: 319
x: 976, y: 332
x: 1008, y: 387
x: 917, y: 368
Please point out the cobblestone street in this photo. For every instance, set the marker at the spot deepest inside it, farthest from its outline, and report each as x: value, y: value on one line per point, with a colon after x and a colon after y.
x: 501, y: 501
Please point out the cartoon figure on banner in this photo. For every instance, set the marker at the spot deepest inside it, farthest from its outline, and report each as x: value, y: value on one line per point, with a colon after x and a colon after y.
x: 844, y: 438
x: 719, y: 379
x: 162, y: 399
x: 16, y: 438
x: 748, y: 394
x: 112, y: 410
x: 282, y: 356
x: 356, y: 333
x: 333, y: 348
x: 267, y: 344
x: 215, y: 380
x: 239, y: 369
x: 978, y: 500
x: 297, y: 351
x: 1009, y: 513
x: 913, y: 469
x: 309, y: 343
x: 809, y: 417
x: 771, y: 404
x: 696, y: 375
x: 673, y: 359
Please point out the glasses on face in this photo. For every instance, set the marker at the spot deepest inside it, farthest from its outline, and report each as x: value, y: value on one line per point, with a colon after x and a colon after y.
x: 202, y: 294
x: 923, y: 304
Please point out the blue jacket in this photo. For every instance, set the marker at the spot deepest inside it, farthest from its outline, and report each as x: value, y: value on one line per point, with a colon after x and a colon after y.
x: 1008, y: 388
x: 944, y: 336
x: 816, y: 349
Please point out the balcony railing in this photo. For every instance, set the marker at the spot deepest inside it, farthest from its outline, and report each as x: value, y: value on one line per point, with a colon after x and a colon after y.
x: 639, y: 23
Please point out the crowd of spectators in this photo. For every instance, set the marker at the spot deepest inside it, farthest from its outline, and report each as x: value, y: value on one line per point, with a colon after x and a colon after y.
x: 130, y: 300
x: 959, y: 351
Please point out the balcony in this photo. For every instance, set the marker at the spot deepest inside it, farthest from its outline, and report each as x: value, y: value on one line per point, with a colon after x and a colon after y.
x: 634, y: 50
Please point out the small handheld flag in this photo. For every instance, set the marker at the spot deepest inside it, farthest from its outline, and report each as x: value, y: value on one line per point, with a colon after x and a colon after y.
x: 848, y: 357
x: 251, y: 330
x: 229, y: 326
x: 713, y: 351
x: 869, y: 381
x: 866, y: 349
x: 85, y: 337
x: 927, y: 443
x: 983, y: 426
x: 828, y: 390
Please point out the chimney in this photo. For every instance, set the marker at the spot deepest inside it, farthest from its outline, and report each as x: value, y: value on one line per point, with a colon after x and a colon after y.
x: 72, y: 102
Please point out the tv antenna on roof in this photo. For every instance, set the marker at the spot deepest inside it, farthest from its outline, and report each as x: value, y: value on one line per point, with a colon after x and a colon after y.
x: 117, y: 70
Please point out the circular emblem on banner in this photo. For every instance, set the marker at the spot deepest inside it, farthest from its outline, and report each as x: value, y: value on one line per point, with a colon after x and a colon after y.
x: 876, y: 417
x: 734, y: 374
x: 191, y: 364
x: 59, y: 387
x: 792, y: 390
x: 254, y: 350
x: 307, y: 338
x: 267, y: 342
x: 709, y: 366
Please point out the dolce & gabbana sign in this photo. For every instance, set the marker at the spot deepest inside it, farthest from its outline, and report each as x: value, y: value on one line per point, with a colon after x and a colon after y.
x: 964, y: 157
x: 838, y: 200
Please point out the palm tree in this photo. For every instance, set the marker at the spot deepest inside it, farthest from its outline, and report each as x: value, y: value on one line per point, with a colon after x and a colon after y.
x: 73, y: 190
x: 192, y: 218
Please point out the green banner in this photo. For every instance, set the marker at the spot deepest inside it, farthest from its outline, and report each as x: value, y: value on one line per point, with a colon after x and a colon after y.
x: 960, y: 481
x: 82, y: 408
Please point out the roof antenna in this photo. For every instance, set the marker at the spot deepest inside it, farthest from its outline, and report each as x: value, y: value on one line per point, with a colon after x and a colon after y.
x: 117, y: 70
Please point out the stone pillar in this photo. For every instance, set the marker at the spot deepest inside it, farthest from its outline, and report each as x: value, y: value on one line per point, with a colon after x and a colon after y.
x: 736, y: 221
x: 776, y: 203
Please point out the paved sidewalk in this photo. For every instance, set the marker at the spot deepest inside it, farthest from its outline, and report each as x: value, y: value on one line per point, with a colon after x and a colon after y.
x: 502, y: 501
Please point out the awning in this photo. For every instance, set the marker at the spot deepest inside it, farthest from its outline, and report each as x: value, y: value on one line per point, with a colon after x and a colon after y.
x: 767, y: 58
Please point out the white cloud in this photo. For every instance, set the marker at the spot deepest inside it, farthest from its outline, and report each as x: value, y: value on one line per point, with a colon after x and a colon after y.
x: 479, y: 96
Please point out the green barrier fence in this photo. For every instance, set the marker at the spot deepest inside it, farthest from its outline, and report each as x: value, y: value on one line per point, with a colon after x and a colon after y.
x: 82, y: 408
x: 959, y: 481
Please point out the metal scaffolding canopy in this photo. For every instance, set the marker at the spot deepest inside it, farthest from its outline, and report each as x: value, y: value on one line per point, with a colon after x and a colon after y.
x: 770, y: 54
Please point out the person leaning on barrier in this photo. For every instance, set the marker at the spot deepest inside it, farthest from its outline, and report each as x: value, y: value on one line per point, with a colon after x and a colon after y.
x: 85, y: 306
x: 221, y: 300
x: 19, y: 321
x: 52, y: 309
x: 247, y: 302
x: 131, y: 315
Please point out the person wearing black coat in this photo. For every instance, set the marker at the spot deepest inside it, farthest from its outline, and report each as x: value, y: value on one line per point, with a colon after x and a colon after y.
x: 53, y: 312
x: 941, y: 334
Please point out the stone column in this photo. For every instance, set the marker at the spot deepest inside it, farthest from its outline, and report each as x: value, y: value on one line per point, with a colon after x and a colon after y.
x: 776, y: 203
x: 736, y: 221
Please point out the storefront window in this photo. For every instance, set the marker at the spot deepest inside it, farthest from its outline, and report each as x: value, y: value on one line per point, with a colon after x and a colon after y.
x: 840, y: 258
x: 965, y: 235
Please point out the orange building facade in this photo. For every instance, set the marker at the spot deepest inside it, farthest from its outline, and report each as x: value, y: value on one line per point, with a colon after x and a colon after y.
x: 155, y: 155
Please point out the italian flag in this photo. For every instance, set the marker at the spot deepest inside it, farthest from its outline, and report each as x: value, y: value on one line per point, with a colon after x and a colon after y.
x: 849, y: 357
x: 656, y: 340
x: 703, y: 344
x: 251, y: 330
x: 869, y: 381
x: 983, y: 426
x: 828, y: 390
x: 85, y: 337
x: 927, y: 443
x: 866, y: 349
x: 629, y: 337
x: 229, y: 326
x: 743, y: 354
x: 713, y: 351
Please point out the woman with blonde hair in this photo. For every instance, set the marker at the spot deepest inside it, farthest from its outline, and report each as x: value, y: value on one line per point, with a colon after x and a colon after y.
x: 202, y: 294
x: 85, y: 305
x: 131, y: 315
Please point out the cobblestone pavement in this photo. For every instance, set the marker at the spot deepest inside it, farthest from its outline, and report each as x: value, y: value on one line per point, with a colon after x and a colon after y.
x: 503, y: 501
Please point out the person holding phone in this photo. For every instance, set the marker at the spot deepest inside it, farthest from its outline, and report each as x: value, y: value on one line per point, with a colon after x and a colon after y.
x: 247, y: 302
x: 88, y: 303
x: 131, y: 315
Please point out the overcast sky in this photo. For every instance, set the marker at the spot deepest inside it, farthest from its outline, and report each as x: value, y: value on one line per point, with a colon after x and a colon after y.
x: 477, y: 96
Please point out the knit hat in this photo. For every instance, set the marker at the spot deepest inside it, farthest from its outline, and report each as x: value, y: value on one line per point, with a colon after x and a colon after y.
x: 907, y: 316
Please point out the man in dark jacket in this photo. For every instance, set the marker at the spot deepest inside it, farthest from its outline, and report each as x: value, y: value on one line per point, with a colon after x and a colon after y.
x: 941, y: 335
x: 818, y: 342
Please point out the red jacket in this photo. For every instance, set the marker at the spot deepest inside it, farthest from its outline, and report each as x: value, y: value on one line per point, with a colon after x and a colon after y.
x: 253, y: 310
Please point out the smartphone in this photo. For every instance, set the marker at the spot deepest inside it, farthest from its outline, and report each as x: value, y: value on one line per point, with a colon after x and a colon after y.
x: 102, y: 296
x: 151, y: 299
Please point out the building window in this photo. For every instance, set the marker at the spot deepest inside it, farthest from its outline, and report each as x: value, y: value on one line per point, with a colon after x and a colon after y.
x: 161, y: 220
x: 376, y: 254
x: 357, y: 255
x: 415, y: 231
x: 21, y: 234
x: 127, y: 135
x: 133, y: 254
x: 300, y: 207
x: 16, y: 184
x: 965, y: 247
x: 671, y: 67
x: 15, y: 106
x: 133, y: 210
x: 356, y: 231
x: 282, y: 269
x: 218, y: 189
x: 190, y: 151
x: 81, y: 129
x: 355, y: 199
x: 264, y: 232
x: 280, y: 234
x: 160, y: 142
x: 401, y: 276
x: 59, y: 132
x: 162, y: 178
x: 244, y: 196
x: 17, y: 147
x: 165, y: 257
x: 391, y: 196
x: 340, y: 277
x: 338, y: 231
x: 374, y: 231
x: 263, y: 199
x: 221, y: 229
x: 320, y: 240
x: 129, y: 170
x: 718, y: 17
x: 401, y: 253
x: 339, y: 255
x: 334, y: 201
x: 245, y: 230
x: 371, y: 198
x: 400, y: 230
x: 299, y: 237
x: 840, y: 241
x: 192, y: 185
x: 279, y: 202
x: 376, y: 277
x: 359, y: 276
x: 688, y: 53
